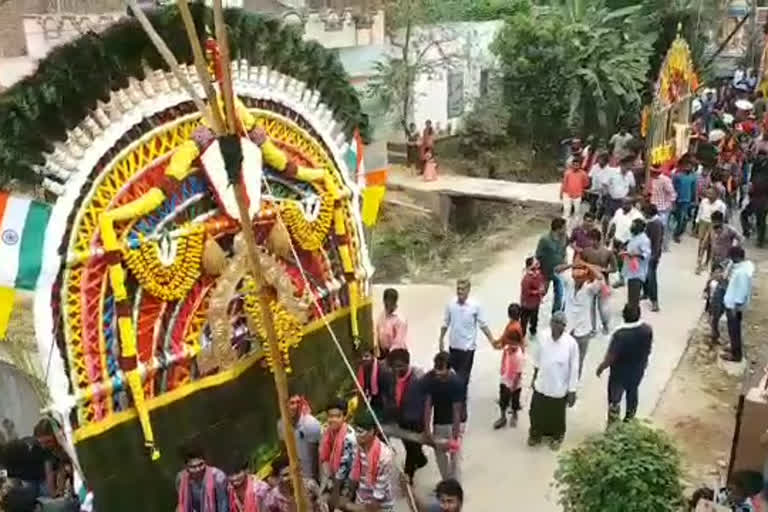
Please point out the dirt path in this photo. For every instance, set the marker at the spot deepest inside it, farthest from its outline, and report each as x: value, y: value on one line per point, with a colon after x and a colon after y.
x: 699, y: 406
x: 498, y: 467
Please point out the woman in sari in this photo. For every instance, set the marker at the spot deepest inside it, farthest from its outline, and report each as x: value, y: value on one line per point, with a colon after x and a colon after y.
x: 427, y: 147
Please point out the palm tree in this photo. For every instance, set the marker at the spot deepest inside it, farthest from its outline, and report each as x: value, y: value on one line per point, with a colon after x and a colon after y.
x: 610, y: 58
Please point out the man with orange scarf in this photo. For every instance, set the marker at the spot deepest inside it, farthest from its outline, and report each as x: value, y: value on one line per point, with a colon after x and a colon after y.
x: 246, y: 492
x: 409, y: 406
x: 337, y: 450
x: 373, y: 471
x: 307, y: 431
x: 376, y: 382
x: 200, y: 487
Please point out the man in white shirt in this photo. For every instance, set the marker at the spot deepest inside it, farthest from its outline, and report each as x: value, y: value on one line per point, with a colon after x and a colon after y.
x: 598, y: 175
x: 620, y: 143
x: 709, y: 204
x: 463, y: 316
x: 581, y: 288
x: 555, y: 376
x: 619, y: 184
x: 619, y: 230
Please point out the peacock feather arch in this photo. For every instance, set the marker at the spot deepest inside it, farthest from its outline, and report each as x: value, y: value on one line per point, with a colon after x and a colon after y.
x: 142, y: 244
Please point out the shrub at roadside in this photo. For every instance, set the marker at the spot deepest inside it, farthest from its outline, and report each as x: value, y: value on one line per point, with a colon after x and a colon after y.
x: 630, y: 468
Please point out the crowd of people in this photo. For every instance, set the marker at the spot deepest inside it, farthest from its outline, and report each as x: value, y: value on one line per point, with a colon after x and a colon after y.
x: 617, y: 223
x: 348, y: 464
x: 38, y: 472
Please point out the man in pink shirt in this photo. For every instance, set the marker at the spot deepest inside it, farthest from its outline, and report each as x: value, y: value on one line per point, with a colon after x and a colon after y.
x: 391, y: 328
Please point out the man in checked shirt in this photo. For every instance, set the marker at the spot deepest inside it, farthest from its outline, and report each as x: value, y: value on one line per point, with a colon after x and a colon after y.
x: 373, y: 471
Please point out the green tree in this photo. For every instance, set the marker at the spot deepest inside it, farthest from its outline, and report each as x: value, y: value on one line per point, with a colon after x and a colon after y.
x: 610, y: 52
x: 534, y: 59
x: 630, y: 468
x: 576, y: 65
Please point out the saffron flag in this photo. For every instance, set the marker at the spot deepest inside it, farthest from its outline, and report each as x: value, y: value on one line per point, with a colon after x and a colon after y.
x: 372, y: 185
x: 373, y: 195
x: 22, y: 231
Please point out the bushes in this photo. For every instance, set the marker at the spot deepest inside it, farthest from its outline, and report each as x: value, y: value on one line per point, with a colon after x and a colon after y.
x: 485, y: 127
x: 630, y: 468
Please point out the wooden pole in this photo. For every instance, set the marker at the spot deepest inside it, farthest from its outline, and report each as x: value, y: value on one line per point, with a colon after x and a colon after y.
x: 226, y: 71
x: 278, y: 371
x: 201, y: 66
x: 254, y: 261
x: 169, y: 58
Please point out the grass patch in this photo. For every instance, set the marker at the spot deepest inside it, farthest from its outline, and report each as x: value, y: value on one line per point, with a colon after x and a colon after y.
x: 512, y: 162
x: 409, y: 247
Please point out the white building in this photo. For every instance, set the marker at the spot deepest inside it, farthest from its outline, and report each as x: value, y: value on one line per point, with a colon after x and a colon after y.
x: 457, y: 66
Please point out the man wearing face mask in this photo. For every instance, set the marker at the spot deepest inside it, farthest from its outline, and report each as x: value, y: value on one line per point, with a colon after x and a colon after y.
x: 200, y: 487
x: 555, y: 376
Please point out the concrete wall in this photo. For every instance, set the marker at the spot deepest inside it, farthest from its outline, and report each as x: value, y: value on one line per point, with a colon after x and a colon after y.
x: 19, y: 402
x: 11, y: 30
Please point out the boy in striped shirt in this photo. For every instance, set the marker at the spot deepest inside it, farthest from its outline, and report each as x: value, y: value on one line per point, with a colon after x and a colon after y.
x: 373, y: 471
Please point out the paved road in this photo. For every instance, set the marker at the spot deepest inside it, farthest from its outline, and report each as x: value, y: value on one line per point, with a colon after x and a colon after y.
x: 499, y: 468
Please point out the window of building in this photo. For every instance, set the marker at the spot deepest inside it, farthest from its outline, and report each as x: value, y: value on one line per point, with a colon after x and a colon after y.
x: 455, y: 94
x: 484, y: 77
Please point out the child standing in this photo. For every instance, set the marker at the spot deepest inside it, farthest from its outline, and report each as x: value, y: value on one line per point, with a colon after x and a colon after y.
x: 430, y: 166
x: 713, y: 295
x: 512, y: 346
x: 531, y: 292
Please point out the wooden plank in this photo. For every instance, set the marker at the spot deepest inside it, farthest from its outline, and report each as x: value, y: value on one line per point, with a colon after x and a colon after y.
x: 410, y: 206
x: 395, y: 431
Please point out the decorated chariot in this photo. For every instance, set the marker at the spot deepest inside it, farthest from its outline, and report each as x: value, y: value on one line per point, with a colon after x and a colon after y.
x: 147, y: 312
x: 666, y: 122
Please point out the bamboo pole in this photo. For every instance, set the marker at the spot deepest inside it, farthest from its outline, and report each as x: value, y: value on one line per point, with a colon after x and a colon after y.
x: 281, y: 380
x: 226, y: 71
x: 169, y: 58
x: 278, y: 371
x: 201, y: 66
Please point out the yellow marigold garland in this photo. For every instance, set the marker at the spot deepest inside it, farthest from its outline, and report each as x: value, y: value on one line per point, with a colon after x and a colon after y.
x: 288, y: 327
x: 310, y: 235
x: 171, y: 282
x: 677, y: 71
x: 662, y: 154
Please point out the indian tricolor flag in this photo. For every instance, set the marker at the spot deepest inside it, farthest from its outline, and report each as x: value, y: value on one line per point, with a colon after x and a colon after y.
x: 22, y: 231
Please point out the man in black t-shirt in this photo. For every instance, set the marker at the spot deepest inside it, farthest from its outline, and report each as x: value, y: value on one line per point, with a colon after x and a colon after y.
x: 445, y: 395
x: 627, y: 356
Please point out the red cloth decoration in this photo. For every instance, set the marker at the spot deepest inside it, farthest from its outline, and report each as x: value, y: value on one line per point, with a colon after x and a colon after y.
x: 401, y: 386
